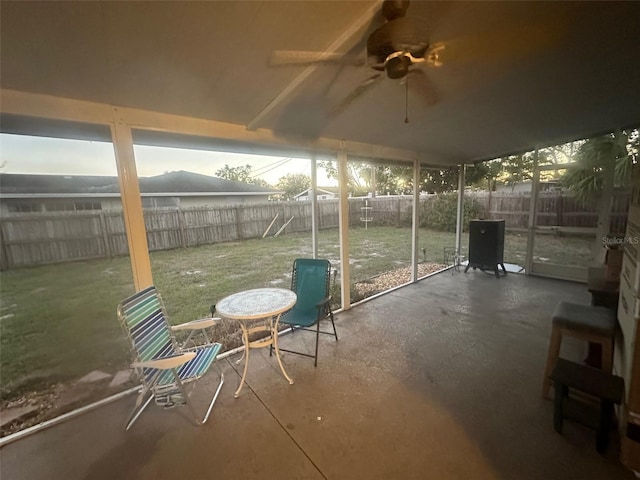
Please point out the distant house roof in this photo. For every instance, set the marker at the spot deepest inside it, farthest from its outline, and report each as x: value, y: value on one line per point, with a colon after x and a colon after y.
x: 318, y: 190
x: 27, y: 183
x: 172, y: 183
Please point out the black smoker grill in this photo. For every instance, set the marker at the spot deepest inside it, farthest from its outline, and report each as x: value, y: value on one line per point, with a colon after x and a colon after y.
x: 486, y: 245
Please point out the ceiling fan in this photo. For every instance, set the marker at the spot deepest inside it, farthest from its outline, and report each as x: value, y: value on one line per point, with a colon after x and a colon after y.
x: 393, y: 48
x: 399, y: 43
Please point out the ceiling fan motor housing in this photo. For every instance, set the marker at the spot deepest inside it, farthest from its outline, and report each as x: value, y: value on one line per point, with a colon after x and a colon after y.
x: 398, y: 35
x: 392, y: 9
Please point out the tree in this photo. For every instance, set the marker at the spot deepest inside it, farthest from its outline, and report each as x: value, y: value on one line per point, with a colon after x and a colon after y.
x: 562, y: 153
x: 439, y: 180
x: 241, y: 174
x: 516, y: 169
x: 260, y: 182
x: 586, y: 179
x: 392, y: 179
x: 389, y: 180
x: 236, y: 174
x: 292, y: 184
x: 353, y: 174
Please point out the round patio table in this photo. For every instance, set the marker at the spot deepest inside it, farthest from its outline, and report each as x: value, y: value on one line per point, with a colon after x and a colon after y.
x: 258, y: 304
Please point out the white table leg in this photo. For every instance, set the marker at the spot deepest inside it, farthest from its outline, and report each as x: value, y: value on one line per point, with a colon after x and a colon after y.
x: 274, y: 336
x: 245, y: 340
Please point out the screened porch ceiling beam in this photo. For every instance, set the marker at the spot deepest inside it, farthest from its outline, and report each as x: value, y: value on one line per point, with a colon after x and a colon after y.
x: 263, y: 140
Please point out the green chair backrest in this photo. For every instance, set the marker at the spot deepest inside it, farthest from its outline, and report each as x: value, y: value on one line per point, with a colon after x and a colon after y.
x: 311, y: 282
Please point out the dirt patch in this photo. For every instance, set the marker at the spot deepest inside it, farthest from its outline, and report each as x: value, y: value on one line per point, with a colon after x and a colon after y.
x: 54, y: 400
x: 388, y: 280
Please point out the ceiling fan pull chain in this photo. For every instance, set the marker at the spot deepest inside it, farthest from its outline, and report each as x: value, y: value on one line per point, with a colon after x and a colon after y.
x: 406, y: 100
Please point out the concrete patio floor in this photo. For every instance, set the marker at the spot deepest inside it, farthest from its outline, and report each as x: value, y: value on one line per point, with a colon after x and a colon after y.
x: 437, y: 380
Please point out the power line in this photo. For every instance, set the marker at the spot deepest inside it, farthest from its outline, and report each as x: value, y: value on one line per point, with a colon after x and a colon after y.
x: 277, y: 163
x: 273, y: 166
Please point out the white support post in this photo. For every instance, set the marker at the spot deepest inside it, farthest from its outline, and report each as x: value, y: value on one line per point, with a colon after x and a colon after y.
x: 131, y: 202
x: 604, y: 210
x: 460, y: 211
x: 533, y: 208
x: 314, y: 206
x: 343, y: 183
x: 415, y: 221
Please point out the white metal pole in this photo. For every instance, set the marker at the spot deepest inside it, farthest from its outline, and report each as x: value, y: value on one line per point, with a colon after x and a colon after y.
x: 343, y: 182
x: 415, y: 221
x: 460, y: 211
x: 533, y: 208
x: 314, y: 206
x: 604, y: 210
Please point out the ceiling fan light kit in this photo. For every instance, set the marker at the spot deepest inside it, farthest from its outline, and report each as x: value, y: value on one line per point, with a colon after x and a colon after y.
x: 397, y: 67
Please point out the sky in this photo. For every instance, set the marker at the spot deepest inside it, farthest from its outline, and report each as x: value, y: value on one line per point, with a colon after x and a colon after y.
x: 28, y: 154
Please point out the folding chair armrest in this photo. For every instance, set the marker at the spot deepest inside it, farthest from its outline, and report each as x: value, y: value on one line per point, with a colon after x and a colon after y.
x: 324, y: 301
x: 196, y: 324
x: 167, y: 362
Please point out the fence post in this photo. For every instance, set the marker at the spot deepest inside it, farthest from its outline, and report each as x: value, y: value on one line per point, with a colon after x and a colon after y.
x: 238, y: 223
x: 105, y: 235
x: 183, y: 239
x: 4, y: 256
x: 559, y: 210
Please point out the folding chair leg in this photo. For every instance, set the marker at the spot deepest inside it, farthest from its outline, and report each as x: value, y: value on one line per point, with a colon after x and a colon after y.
x: 188, y: 401
x: 315, y: 358
x: 137, y: 410
x: 215, y: 397
x: 335, y: 333
x: 185, y: 395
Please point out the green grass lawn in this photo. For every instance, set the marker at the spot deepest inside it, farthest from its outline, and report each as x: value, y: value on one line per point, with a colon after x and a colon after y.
x: 58, y: 322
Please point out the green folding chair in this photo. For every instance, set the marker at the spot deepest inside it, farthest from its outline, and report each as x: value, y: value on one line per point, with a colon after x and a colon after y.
x: 162, y: 366
x: 310, y: 281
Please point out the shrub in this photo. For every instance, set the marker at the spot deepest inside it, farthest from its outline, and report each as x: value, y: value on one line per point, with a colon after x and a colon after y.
x: 336, y: 295
x: 440, y: 212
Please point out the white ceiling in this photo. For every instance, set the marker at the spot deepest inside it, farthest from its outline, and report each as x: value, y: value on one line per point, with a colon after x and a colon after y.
x: 515, y: 75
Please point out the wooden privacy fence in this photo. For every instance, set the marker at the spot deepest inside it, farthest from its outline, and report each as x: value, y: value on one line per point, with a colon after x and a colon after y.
x: 553, y: 209
x: 40, y: 238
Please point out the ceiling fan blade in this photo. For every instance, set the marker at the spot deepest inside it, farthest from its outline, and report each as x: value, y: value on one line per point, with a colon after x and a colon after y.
x: 304, y: 57
x: 361, y: 89
x: 499, y: 45
x: 355, y: 55
x: 420, y: 83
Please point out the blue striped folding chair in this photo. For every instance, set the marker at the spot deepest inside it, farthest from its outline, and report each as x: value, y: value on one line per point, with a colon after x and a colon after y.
x: 310, y: 279
x: 162, y: 367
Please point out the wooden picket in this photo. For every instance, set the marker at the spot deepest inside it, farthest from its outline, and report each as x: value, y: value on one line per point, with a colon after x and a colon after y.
x: 39, y: 238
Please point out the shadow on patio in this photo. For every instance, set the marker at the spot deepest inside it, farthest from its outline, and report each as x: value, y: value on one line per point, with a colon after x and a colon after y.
x: 440, y: 379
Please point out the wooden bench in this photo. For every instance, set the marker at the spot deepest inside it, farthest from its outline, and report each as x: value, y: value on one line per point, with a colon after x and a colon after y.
x: 605, y: 387
x: 593, y: 324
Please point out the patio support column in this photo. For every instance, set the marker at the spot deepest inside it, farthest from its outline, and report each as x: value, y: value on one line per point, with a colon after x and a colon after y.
x: 345, y: 277
x: 314, y: 206
x: 531, y: 233
x: 415, y: 221
x: 131, y: 202
x: 460, y: 211
x: 604, y: 209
